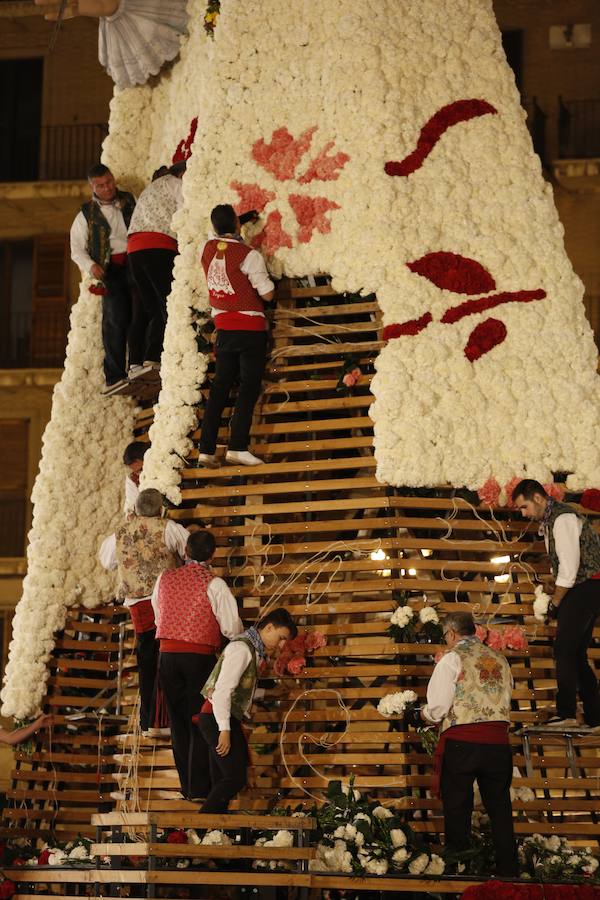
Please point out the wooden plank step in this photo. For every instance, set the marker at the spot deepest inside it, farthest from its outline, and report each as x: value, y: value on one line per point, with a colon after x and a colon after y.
x: 335, y: 349
x: 286, y: 468
x: 201, y: 820
x: 350, y: 309
x: 195, y: 851
x: 286, y: 487
x: 325, y: 445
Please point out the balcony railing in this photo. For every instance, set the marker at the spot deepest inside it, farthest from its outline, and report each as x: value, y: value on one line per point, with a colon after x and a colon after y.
x: 37, y: 341
x: 578, y: 129
x: 68, y: 151
x: 13, y: 514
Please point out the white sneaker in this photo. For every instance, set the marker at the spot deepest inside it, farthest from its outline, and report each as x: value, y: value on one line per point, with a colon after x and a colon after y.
x: 209, y: 460
x: 242, y: 458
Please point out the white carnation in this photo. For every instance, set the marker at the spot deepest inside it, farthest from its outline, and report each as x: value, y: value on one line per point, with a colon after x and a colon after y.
x: 428, y: 614
x: 435, y: 866
x: 79, y: 852
x: 418, y: 865
x: 381, y: 812
x: 398, y: 837
x: 216, y: 838
x: 400, y: 856
x: 376, y: 866
x: 541, y: 603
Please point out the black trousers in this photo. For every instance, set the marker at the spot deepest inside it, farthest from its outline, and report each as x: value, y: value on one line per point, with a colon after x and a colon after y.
x: 146, y: 651
x: 491, y: 765
x: 228, y: 774
x: 116, y: 316
x: 241, y: 356
x: 151, y: 274
x: 182, y: 677
x: 577, y: 614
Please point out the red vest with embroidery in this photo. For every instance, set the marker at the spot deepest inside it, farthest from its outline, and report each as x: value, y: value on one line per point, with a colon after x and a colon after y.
x: 184, y: 610
x: 228, y: 288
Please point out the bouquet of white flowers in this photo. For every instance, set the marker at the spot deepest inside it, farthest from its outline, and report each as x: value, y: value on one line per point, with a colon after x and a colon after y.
x: 406, y: 627
x: 541, y: 603
x: 396, y: 704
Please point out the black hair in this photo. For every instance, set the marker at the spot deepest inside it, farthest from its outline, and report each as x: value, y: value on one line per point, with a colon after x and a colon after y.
x: 280, y: 618
x: 224, y: 219
x: 177, y: 167
x: 98, y: 170
x: 528, y: 487
x: 200, y: 545
x: 135, y: 450
x: 158, y: 173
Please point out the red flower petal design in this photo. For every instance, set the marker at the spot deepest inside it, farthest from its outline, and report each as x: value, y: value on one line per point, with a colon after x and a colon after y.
x: 470, y: 307
x: 310, y: 214
x: 252, y: 196
x: 411, y: 327
x: 484, y: 338
x: 184, y: 147
x: 452, y: 272
x: 273, y: 235
x: 283, y: 154
x: 324, y: 167
x: 444, y: 118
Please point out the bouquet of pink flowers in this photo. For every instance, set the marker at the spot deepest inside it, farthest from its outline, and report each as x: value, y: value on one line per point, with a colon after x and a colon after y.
x: 292, y: 659
x: 507, y: 637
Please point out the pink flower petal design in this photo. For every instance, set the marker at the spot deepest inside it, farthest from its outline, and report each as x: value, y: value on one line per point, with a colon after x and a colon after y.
x: 310, y: 214
x: 252, y: 196
x: 273, y: 235
x: 324, y: 167
x: 281, y: 156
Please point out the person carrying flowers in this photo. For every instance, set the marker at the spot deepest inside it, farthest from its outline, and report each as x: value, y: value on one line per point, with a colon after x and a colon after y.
x: 469, y: 693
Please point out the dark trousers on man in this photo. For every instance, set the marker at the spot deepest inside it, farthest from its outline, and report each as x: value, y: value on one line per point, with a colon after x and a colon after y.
x: 151, y: 274
x: 228, y: 774
x: 116, y: 316
x: 577, y: 614
x: 146, y: 651
x: 182, y: 677
x: 241, y: 356
x: 491, y: 766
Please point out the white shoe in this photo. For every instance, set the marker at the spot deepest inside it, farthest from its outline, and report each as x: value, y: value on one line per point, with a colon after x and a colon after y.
x: 564, y: 724
x: 158, y: 732
x: 209, y: 460
x: 242, y: 458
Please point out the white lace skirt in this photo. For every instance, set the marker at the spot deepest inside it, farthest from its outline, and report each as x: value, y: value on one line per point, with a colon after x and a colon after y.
x: 139, y: 37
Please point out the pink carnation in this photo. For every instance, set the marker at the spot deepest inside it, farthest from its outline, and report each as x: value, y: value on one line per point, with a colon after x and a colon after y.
x: 495, y: 639
x: 349, y: 379
x: 296, y: 665
x: 310, y: 213
x: 296, y: 645
x: 280, y: 664
x: 315, y: 640
x: 481, y: 632
x: 555, y: 490
x: 514, y: 638
x: 509, y: 488
x: 273, y: 235
x: 490, y: 492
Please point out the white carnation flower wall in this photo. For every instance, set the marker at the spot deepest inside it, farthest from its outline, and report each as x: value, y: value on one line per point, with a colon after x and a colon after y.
x: 304, y: 112
x: 77, y: 499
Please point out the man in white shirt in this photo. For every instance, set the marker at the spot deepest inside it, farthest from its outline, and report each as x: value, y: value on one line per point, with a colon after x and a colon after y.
x: 469, y: 694
x: 133, y: 458
x: 574, y: 550
x: 230, y: 690
x: 238, y: 284
x: 99, y: 248
x: 194, y: 611
x: 143, y: 547
x: 151, y: 252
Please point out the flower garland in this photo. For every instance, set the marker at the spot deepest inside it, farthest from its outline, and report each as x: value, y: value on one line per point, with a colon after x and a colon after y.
x: 77, y: 500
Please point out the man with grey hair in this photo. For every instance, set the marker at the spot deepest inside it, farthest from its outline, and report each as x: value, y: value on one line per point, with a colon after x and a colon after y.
x: 141, y: 548
x: 469, y: 693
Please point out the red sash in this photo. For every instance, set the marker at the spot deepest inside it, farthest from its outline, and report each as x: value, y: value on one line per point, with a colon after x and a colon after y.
x: 476, y: 733
x: 118, y: 259
x: 142, y: 616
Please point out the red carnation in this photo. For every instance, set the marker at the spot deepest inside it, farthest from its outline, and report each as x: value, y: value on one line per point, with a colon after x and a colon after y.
x: 177, y: 837
x: 7, y: 889
x: 43, y: 857
x: 591, y: 499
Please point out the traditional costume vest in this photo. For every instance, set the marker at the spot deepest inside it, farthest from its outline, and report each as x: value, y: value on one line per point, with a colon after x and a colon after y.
x: 589, y: 543
x: 484, y: 686
x: 228, y: 288
x: 142, y: 555
x: 184, y: 610
x: 241, y: 698
x: 98, y: 242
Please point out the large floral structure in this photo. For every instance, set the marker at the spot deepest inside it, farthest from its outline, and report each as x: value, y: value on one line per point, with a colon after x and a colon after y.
x: 385, y: 144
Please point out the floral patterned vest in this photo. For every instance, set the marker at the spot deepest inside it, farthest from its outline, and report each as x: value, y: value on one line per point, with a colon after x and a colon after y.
x: 184, y: 610
x: 241, y: 698
x: 484, y: 686
x: 142, y: 555
x: 589, y: 543
x: 98, y: 241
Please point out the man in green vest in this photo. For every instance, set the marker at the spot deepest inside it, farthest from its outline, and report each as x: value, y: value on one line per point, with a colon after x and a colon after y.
x: 574, y: 550
x: 99, y: 248
x: 229, y: 692
x: 469, y: 694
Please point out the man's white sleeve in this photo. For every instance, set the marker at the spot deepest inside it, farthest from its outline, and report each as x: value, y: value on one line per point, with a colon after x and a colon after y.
x: 108, y: 552
x: 441, y: 687
x: 176, y: 537
x: 254, y: 267
x: 567, y: 530
x: 236, y: 658
x: 154, y: 596
x: 79, y: 235
x: 131, y: 494
x: 224, y: 607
